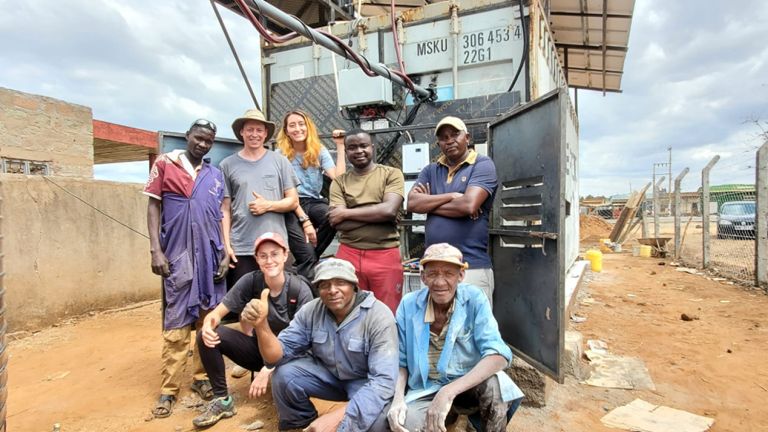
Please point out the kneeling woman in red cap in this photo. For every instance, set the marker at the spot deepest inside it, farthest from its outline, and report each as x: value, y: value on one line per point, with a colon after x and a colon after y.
x: 287, y: 293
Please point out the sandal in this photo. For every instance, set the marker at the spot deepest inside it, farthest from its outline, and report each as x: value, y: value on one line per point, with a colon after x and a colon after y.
x: 203, y: 388
x: 164, y: 406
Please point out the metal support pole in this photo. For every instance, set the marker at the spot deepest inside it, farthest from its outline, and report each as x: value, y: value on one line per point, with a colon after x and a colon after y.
x: 234, y: 53
x: 705, y: 211
x: 262, y: 7
x: 761, y: 217
x: 669, y: 187
x: 678, y: 180
x: 656, y: 210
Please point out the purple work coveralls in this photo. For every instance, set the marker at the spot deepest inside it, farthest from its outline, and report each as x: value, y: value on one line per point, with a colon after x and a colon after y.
x: 192, y: 241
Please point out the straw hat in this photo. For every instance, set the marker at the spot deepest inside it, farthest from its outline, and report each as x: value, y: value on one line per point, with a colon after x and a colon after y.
x: 253, y: 114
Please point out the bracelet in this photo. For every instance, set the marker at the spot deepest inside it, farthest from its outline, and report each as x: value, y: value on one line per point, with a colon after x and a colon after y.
x: 304, y: 225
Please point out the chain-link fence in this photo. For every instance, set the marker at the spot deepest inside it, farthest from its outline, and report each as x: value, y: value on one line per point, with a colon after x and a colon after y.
x: 729, y: 197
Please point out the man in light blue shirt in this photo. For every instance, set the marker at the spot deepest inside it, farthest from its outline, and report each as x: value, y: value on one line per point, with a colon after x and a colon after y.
x: 353, y: 338
x: 451, y: 354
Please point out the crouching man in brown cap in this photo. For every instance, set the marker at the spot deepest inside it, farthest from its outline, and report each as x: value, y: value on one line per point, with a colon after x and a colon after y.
x: 451, y: 354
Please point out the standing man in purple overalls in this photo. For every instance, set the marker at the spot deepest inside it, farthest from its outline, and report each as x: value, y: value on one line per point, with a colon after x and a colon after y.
x: 185, y: 236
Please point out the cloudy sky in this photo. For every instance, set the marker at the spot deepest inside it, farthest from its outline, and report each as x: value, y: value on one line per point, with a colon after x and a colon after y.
x: 696, y: 71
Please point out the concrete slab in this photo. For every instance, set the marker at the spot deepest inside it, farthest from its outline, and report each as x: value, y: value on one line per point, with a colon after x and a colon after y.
x: 572, y: 283
x: 535, y: 385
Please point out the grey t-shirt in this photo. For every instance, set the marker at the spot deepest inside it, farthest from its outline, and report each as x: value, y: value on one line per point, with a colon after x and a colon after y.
x: 244, y: 291
x: 270, y: 177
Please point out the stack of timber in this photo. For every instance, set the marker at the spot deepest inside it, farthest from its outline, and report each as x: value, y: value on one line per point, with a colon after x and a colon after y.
x: 628, y: 221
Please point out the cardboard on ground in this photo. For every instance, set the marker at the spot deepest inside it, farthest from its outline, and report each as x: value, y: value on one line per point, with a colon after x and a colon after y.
x: 642, y: 416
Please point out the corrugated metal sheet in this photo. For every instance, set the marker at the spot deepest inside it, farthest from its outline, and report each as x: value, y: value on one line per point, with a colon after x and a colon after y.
x: 315, y: 13
x: 592, y: 38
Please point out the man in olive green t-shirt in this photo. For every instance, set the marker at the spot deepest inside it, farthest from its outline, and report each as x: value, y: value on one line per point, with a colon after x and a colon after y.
x: 365, y: 206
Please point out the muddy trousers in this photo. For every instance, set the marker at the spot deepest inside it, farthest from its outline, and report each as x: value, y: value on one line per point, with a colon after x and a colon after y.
x: 175, y: 354
x: 482, y: 404
x: 239, y: 347
x: 293, y: 383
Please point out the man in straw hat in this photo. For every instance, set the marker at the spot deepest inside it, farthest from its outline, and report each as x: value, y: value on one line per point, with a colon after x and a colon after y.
x: 353, y: 357
x: 259, y: 187
x: 461, y: 370
x: 456, y: 193
x: 185, y: 194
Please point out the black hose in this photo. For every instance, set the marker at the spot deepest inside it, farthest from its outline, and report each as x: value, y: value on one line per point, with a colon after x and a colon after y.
x: 523, y: 60
x: 390, y: 147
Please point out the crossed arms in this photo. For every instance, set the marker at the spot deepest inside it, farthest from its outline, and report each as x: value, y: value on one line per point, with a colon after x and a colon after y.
x: 452, y: 205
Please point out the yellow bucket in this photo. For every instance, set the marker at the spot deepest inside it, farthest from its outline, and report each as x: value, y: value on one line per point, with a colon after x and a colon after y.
x: 645, y: 251
x: 603, y: 246
x: 595, y: 258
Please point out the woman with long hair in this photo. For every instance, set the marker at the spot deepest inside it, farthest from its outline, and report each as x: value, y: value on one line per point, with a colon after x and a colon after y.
x: 309, y: 232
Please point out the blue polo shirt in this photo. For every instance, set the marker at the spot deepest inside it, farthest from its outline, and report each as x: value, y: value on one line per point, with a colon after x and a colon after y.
x: 469, y: 236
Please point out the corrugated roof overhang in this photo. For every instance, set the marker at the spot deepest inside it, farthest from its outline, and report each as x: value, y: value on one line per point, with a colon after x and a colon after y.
x: 592, y: 37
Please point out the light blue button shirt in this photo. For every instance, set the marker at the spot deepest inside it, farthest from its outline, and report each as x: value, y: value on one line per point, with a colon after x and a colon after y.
x: 311, y: 177
x: 473, y: 333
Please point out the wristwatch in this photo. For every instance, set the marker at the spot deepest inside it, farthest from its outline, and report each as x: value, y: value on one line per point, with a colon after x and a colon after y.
x: 303, y: 219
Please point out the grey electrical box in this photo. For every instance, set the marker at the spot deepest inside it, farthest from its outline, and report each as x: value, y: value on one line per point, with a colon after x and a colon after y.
x: 358, y: 89
x: 415, y: 158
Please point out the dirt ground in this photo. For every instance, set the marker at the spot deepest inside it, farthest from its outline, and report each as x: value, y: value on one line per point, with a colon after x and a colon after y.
x: 102, y: 372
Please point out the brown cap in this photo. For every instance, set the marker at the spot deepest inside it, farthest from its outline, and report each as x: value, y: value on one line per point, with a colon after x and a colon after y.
x: 443, y: 252
x: 253, y: 114
x: 269, y: 237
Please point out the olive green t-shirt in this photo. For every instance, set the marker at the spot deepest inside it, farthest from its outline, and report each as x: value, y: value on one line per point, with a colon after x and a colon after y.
x: 353, y: 191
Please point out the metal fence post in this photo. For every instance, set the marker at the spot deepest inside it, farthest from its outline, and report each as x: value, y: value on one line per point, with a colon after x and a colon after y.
x: 678, y: 180
x: 705, y: 211
x: 761, y: 216
x: 656, y: 210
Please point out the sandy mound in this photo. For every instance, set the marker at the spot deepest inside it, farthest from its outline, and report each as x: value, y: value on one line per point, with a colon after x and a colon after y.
x: 593, y: 227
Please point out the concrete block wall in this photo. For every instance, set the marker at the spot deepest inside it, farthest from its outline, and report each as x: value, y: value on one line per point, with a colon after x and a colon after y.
x: 44, y: 129
x: 62, y: 258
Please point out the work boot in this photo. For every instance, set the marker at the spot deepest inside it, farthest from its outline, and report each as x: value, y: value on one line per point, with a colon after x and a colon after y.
x: 217, y: 409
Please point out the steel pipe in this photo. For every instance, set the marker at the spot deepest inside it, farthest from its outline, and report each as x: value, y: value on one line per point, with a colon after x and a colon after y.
x: 678, y: 202
x: 705, y: 211
x: 294, y: 24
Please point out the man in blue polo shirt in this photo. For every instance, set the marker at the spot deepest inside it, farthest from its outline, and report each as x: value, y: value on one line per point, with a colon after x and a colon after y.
x: 456, y: 193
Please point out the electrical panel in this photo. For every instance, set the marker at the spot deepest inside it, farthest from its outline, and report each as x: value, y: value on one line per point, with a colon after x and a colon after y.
x: 357, y: 89
x: 415, y: 158
x: 415, y: 216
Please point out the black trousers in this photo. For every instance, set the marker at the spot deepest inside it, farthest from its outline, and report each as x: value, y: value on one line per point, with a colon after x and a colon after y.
x: 317, y: 210
x: 305, y: 254
x: 240, y: 348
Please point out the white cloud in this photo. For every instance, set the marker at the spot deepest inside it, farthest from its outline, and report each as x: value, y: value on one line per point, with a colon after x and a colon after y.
x: 694, y: 72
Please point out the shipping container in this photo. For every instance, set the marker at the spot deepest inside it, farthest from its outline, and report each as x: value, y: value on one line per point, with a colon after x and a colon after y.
x: 468, y: 53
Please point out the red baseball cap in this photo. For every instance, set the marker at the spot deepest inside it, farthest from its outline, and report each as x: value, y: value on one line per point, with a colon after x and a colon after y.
x: 269, y: 236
